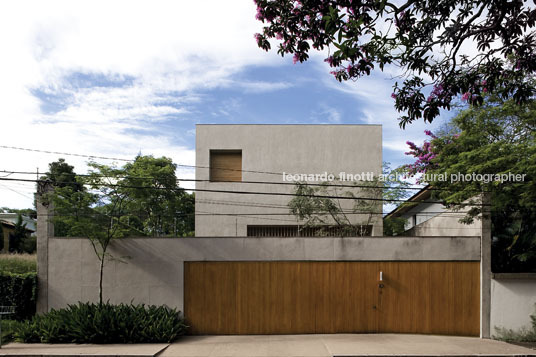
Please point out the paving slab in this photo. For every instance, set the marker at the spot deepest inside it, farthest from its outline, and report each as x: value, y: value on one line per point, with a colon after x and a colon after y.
x: 339, y: 345
x: 63, y: 350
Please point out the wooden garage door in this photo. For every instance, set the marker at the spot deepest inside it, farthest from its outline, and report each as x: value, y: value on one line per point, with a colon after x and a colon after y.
x: 332, y: 297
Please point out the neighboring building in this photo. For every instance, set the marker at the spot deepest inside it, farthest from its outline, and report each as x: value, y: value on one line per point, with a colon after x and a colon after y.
x: 228, y: 156
x: 426, y: 217
x: 8, y: 220
x: 12, y: 217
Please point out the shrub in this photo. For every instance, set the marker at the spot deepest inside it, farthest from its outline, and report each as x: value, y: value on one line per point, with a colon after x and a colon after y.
x: 18, y: 263
x: 521, y: 335
x: 19, y: 290
x: 104, y: 323
x: 8, y: 330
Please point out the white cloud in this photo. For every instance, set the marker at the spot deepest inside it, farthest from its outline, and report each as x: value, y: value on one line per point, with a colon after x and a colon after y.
x: 326, y: 114
x: 167, y: 50
x: 372, y: 95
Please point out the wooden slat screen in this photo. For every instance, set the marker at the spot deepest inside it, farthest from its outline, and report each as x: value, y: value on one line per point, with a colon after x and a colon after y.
x: 301, y: 231
x: 226, y: 165
x: 332, y: 297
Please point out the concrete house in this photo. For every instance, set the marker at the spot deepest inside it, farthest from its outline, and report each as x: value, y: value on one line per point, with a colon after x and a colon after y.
x: 251, y: 157
x: 250, y: 271
x: 426, y: 217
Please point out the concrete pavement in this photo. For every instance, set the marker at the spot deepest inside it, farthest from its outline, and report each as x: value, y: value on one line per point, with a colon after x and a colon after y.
x: 49, y: 350
x: 287, y: 346
x: 341, y: 345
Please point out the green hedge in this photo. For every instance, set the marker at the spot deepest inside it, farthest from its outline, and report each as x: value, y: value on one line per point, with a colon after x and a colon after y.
x: 106, y: 323
x: 18, y: 263
x: 19, y: 290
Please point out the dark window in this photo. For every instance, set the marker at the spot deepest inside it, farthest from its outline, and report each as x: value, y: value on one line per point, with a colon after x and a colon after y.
x: 301, y: 231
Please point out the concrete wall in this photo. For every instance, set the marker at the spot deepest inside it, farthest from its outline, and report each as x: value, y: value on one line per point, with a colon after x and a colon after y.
x: 304, y: 149
x: 513, y: 300
x: 153, y: 272
x: 433, y: 219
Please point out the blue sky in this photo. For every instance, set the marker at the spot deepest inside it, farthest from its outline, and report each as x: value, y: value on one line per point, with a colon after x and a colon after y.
x: 117, y: 79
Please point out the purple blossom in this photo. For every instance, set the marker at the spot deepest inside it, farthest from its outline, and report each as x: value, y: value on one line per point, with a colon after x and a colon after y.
x: 437, y: 90
x: 257, y: 37
x: 430, y: 134
x: 393, y: 95
x: 466, y: 96
x: 279, y: 36
x: 296, y: 58
x: 329, y: 60
x: 259, y: 15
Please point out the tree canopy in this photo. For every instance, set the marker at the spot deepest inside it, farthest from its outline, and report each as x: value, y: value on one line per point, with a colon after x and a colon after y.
x: 498, y: 142
x: 61, y: 174
x: 144, y: 196
x: 425, y: 39
x: 314, y: 209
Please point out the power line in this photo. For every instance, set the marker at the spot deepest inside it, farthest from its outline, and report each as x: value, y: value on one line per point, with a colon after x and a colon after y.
x: 204, y: 213
x: 130, y: 160
x: 251, y: 182
x: 63, y: 153
x: 20, y: 193
x: 266, y: 205
x: 238, y: 192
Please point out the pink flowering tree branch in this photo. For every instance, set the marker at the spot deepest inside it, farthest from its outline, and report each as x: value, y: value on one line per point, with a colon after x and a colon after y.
x: 422, y: 38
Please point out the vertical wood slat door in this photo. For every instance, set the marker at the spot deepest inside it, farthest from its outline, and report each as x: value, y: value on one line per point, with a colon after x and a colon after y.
x: 332, y: 297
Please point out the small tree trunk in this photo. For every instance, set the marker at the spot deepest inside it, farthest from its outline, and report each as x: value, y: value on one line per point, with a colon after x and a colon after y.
x: 100, y: 279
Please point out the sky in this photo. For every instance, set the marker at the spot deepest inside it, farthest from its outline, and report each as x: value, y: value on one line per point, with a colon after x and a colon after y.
x: 119, y: 78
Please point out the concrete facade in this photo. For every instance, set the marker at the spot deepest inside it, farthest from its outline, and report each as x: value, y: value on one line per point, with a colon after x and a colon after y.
x: 513, y: 300
x: 433, y: 219
x: 153, y: 272
x: 267, y: 152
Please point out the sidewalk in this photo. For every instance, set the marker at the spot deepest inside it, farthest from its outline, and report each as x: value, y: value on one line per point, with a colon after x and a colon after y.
x: 38, y: 349
x: 341, y: 345
x: 286, y: 346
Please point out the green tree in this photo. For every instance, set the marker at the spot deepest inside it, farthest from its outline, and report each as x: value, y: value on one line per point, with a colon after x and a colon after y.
x: 497, y: 138
x: 153, y: 194
x: 18, y: 237
x: 140, y: 198
x: 317, y: 205
x: 61, y: 174
x: 96, y: 213
x: 423, y: 38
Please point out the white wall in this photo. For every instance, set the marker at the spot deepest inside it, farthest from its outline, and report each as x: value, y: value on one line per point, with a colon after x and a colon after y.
x: 513, y: 300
